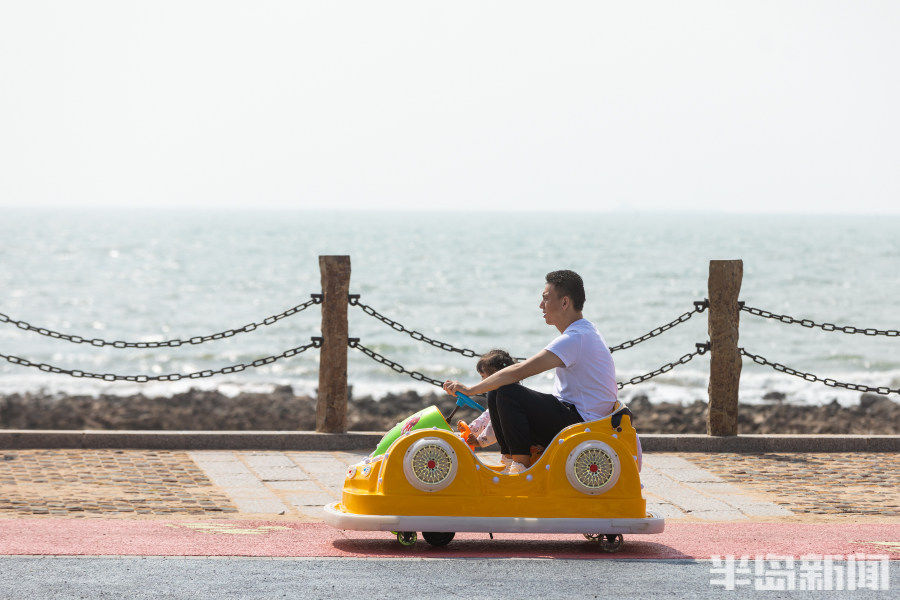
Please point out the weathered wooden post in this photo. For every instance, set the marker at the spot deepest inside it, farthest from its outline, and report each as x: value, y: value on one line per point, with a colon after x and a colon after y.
x: 725, y: 359
x: 331, y: 409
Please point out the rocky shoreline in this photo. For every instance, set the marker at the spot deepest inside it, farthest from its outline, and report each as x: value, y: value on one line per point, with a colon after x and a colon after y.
x: 281, y: 409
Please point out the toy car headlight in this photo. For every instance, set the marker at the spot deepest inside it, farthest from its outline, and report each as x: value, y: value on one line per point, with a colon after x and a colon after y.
x: 430, y: 464
x: 592, y: 467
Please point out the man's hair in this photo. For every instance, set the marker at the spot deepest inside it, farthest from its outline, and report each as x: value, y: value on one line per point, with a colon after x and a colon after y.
x: 492, y: 361
x: 568, y: 283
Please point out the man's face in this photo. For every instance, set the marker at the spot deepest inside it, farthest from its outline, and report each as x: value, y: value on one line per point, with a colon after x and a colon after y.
x: 551, y: 304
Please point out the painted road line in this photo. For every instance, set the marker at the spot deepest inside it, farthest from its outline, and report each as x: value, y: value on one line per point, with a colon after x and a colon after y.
x: 246, y: 537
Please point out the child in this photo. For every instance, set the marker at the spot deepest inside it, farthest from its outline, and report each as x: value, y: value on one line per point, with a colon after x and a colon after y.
x: 482, y: 431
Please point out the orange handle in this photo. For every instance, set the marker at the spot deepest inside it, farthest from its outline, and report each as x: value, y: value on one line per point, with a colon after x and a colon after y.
x: 465, y: 432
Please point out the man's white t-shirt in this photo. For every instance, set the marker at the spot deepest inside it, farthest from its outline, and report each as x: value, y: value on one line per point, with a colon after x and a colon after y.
x: 588, y: 379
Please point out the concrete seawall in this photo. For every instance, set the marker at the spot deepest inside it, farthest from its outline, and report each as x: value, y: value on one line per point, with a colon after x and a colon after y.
x: 17, y: 439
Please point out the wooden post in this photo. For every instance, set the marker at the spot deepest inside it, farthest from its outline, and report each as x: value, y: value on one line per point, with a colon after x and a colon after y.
x: 331, y: 409
x: 725, y: 359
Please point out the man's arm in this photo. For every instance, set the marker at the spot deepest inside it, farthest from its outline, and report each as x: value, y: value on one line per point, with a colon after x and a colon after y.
x: 540, y: 362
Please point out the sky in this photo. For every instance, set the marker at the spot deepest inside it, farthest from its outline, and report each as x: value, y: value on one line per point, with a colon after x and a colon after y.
x: 780, y: 106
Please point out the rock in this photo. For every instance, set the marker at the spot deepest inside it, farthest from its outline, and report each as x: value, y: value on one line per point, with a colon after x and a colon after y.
x: 639, y: 403
x: 775, y: 396
x: 282, y: 410
x: 868, y: 399
x: 283, y: 390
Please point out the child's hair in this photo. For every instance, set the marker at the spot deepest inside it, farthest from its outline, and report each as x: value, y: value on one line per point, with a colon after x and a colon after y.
x: 494, y: 360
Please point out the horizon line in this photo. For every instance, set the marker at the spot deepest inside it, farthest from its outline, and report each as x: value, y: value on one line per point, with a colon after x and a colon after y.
x: 339, y: 209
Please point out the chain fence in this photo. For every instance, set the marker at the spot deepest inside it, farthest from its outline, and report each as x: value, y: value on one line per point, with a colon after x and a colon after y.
x: 416, y: 335
x: 16, y: 360
x: 77, y: 339
x: 809, y: 323
x: 701, y: 348
x: 810, y: 377
x: 354, y: 300
x: 699, y: 307
x: 354, y: 343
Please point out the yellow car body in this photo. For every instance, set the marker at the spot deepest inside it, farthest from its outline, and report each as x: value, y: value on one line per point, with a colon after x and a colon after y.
x: 586, y: 481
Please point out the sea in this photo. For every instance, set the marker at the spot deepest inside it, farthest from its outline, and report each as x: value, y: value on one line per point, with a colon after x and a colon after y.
x: 471, y: 279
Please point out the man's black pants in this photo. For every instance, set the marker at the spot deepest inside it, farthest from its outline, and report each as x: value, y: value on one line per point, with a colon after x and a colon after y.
x: 522, y: 417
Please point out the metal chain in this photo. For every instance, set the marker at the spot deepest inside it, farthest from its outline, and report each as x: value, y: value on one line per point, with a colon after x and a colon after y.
x: 810, y: 377
x: 354, y: 301
x: 699, y: 307
x: 77, y: 339
x: 354, y: 343
x: 824, y: 326
x: 701, y: 349
x: 316, y: 343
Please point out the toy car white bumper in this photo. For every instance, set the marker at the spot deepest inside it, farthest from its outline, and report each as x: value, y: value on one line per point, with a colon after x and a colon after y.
x: 336, y: 516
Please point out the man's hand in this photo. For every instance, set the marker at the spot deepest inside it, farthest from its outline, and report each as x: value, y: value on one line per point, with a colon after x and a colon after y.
x: 451, y: 387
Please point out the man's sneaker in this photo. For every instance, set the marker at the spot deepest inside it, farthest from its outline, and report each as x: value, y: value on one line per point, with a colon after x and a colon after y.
x: 514, y: 468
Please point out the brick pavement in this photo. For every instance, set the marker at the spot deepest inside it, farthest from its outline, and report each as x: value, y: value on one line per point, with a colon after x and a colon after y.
x: 295, y: 485
x: 125, y: 483
x: 837, y: 485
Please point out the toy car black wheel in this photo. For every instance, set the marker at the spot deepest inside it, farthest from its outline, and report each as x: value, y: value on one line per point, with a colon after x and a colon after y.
x: 407, y: 538
x: 611, y: 543
x: 438, y: 538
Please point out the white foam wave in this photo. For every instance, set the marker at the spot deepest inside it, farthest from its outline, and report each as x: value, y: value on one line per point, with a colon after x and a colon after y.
x: 682, y: 387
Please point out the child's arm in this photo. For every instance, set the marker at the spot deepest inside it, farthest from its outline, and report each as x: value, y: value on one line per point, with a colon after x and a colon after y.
x: 486, y: 437
x: 482, y: 430
x: 479, y: 424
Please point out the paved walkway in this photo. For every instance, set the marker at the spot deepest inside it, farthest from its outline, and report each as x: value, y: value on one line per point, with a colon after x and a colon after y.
x: 858, y: 487
x: 241, y: 503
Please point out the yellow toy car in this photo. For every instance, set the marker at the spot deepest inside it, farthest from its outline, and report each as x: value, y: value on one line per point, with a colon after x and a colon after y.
x: 427, y: 479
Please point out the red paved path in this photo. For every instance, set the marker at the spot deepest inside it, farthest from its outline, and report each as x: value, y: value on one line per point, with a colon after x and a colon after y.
x: 284, y: 539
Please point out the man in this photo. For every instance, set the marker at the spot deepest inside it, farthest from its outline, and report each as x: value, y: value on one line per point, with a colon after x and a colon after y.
x: 585, y: 386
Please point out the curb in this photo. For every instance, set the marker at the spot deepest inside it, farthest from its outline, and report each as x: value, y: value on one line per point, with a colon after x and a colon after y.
x: 21, y: 439
x: 747, y: 444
